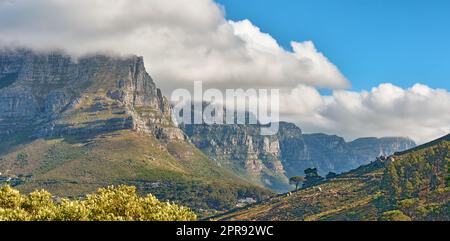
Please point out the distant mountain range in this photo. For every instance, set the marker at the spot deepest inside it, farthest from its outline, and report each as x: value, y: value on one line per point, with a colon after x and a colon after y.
x: 71, y: 126
x: 271, y: 160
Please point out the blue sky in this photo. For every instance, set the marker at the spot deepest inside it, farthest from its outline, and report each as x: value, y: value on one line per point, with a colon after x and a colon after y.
x: 372, y: 42
x: 396, y: 42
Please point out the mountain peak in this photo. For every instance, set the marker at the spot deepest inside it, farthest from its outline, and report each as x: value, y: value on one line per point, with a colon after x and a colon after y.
x: 53, y: 91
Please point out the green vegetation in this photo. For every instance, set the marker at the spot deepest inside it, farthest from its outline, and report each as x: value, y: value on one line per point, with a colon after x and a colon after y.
x: 394, y: 215
x: 331, y: 175
x: 336, y: 198
x: 296, y: 181
x: 409, y: 186
x: 415, y: 183
x: 22, y: 159
x: 312, y: 177
x: 75, y: 165
x: 435, y: 207
x: 418, y: 173
x: 108, y: 204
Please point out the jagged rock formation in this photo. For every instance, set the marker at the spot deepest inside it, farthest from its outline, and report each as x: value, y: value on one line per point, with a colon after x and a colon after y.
x: 51, y: 95
x: 242, y: 149
x: 56, y: 96
x: 333, y: 153
x: 71, y: 126
x: 272, y: 159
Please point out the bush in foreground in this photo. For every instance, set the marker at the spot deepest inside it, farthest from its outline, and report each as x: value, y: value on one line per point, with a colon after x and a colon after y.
x: 108, y: 204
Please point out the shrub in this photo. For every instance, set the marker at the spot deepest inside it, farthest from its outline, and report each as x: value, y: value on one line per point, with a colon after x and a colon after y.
x: 108, y: 204
x: 394, y: 215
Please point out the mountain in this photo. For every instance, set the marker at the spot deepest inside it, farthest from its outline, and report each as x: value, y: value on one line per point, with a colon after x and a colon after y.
x: 73, y: 125
x: 409, y: 185
x: 338, y: 156
x: 242, y: 149
x: 272, y: 159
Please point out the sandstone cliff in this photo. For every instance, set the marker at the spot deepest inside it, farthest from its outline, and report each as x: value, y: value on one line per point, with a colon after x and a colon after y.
x: 272, y: 159
x: 71, y: 126
x: 55, y: 95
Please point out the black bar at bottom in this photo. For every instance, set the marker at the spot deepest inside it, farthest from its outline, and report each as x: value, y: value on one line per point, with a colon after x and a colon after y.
x: 225, y: 230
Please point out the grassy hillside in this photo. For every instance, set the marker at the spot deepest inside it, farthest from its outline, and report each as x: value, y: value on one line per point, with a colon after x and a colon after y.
x: 76, y: 165
x: 412, y: 185
x: 96, y: 147
x: 101, y: 121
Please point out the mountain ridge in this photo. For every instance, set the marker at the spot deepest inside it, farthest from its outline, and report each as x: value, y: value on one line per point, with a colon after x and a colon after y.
x: 271, y: 160
x: 74, y: 126
x: 413, y: 185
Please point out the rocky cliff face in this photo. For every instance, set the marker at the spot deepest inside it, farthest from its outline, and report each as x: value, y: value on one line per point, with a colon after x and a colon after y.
x: 242, y: 149
x: 272, y: 159
x: 53, y: 95
x: 333, y: 153
x: 72, y: 126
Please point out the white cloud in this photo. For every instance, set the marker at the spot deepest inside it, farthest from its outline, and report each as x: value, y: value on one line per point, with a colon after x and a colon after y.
x: 419, y: 112
x: 187, y: 40
x: 181, y: 41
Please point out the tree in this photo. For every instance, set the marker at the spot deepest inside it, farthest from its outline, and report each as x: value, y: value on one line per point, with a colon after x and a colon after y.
x: 296, y: 181
x: 312, y: 177
x: 311, y: 172
x: 331, y: 175
x: 22, y: 159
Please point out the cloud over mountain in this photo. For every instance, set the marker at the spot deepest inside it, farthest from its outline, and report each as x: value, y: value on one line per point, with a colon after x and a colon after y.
x: 185, y: 41
x: 419, y: 112
x: 182, y: 41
